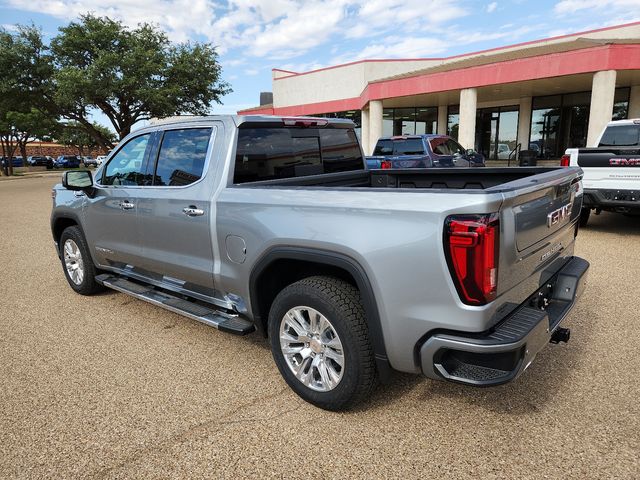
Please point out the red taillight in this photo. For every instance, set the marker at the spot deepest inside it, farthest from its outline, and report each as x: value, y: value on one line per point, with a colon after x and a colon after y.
x: 471, y: 244
x: 564, y: 160
x: 385, y: 164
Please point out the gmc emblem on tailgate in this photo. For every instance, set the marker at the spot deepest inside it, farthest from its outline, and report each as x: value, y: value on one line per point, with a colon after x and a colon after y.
x: 624, y: 162
x: 558, y: 215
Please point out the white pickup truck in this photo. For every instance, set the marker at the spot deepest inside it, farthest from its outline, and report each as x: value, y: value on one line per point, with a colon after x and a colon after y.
x: 611, y: 170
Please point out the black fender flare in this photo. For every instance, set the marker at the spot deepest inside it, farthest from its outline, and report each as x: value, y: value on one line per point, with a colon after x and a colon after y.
x: 337, y: 260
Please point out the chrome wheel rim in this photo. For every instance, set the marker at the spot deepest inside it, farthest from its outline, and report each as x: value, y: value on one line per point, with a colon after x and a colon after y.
x: 73, y: 262
x: 312, y: 349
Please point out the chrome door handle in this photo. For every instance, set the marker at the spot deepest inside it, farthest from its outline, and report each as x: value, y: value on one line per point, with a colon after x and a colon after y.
x: 126, y: 205
x: 193, y: 211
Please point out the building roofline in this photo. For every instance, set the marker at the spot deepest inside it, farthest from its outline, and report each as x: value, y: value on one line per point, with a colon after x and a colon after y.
x: 452, y: 57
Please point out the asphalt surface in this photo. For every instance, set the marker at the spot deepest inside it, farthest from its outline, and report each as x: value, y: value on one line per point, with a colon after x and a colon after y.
x: 111, y: 387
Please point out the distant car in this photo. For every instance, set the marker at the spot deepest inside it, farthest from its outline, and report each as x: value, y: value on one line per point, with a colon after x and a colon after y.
x: 68, y: 161
x: 422, y: 151
x: 40, y: 161
x: 503, y: 151
x: 90, y: 161
x: 15, y: 162
x: 100, y: 159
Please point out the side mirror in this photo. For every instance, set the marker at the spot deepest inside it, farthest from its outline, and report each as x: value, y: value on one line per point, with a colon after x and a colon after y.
x: 471, y: 152
x: 77, y: 180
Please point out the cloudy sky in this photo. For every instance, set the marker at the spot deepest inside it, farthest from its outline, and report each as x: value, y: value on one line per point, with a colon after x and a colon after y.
x: 254, y: 36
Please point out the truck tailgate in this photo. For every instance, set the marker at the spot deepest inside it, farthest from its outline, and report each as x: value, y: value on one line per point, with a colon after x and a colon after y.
x: 538, y: 225
x: 610, y: 168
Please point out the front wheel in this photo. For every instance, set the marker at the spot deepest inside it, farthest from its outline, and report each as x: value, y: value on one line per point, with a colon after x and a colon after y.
x: 320, y: 342
x: 77, y: 263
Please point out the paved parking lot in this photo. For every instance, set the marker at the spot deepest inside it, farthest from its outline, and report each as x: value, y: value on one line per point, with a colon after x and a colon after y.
x: 112, y: 387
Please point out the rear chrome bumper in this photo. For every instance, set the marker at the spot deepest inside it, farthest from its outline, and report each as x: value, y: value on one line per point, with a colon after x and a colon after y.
x: 501, y: 354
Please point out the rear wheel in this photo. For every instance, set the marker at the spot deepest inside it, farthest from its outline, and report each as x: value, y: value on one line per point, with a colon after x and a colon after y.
x: 320, y: 342
x: 77, y: 264
x: 584, y: 216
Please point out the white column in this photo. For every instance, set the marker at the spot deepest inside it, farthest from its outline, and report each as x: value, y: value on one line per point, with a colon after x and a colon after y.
x: 602, y: 92
x: 442, y: 120
x: 634, y: 102
x: 524, y: 122
x: 467, y: 128
x: 364, y: 130
x: 375, y: 124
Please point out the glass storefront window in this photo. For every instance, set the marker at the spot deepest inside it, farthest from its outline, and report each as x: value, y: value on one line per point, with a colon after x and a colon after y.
x: 404, y: 121
x: 426, y: 120
x: 409, y: 121
x: 387, y: 122
x: 497, y: 131
x: 559, y: 122
x: 453, y: 121
x: 621, y: 104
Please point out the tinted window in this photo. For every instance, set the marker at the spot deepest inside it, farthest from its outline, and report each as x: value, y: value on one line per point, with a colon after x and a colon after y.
x: 623, y: 135
x: 127, y: 166
x: 455, y: 147
x: 440, y: 146
x: 410, y: 146
x: 182, y: 156
x: 384, y: 147
x: 269, y: 153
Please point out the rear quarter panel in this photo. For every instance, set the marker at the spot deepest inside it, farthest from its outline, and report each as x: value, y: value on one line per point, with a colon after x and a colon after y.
x: 395, y: 236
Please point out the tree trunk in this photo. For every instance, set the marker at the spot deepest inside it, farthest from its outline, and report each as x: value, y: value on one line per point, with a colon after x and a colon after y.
x: 23, y: 152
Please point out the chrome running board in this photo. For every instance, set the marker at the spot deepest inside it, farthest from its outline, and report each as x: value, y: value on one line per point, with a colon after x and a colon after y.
x: 226, y: 322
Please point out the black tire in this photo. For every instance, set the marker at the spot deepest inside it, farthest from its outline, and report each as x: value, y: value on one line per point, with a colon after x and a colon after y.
x: 88, y: 285
x: 340, y: 303
x: 584, y: 216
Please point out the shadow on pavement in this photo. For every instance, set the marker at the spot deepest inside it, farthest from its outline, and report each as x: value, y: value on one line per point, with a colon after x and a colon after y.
x: 608, y: 222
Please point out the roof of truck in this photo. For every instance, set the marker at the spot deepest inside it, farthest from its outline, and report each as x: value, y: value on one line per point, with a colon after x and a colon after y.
x: 629, y: 121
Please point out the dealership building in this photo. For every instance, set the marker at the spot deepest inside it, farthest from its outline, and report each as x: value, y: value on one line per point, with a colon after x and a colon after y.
x: 543, y: 96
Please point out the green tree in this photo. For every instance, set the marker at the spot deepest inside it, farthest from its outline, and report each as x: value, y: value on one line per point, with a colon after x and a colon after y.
x: 26, y: 111
x: 75, y: 135
x: 130, y: 75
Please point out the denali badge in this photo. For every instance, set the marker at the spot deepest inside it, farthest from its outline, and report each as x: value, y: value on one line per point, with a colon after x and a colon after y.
x: 558, y: 215
x: 557, y: 247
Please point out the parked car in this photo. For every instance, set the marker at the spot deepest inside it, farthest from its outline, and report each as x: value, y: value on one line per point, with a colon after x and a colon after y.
x: 422, y: 151
x: 503, y: 151
x: 273, y: 225
x: 89, y: 161
x: 68, y: 161
x: 40, y: 161
x: 100, y: 159
x: 611, y: 170
x: 15, y: 162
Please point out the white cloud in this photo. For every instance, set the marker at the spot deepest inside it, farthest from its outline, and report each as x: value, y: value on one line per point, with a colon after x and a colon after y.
x: 573, y: 6
x: 397, y: 47
x: 492, y: 6
x: 180, y: 18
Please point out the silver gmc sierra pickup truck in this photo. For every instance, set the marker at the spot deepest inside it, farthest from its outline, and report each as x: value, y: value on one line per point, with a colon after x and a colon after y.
x: 273, y: 225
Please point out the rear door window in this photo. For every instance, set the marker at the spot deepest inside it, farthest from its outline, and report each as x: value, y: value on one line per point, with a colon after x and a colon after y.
x: 182, y: 157
x: 272, y: 153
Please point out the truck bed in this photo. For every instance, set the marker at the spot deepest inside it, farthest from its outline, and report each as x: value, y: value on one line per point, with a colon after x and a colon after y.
x: 492, y: 180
